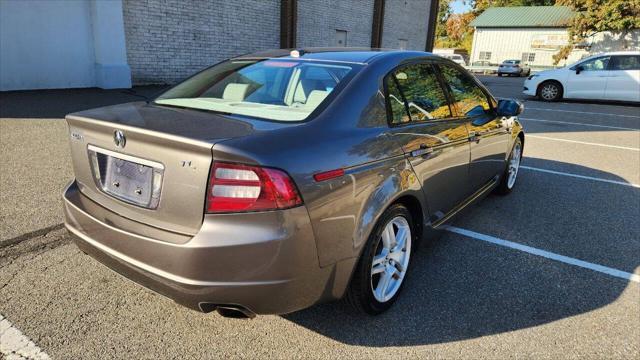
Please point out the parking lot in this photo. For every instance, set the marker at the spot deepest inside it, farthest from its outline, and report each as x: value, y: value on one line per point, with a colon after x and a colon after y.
x: 552, y: 270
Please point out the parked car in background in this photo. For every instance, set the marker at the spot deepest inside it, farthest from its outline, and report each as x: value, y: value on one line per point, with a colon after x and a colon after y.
x: 513, y: 67
x: 456, y: 58
x: 277, y: 180
x: 608, y: 76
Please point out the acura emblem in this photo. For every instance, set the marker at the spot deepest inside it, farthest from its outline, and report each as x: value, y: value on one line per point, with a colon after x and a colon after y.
x: 119, y: 139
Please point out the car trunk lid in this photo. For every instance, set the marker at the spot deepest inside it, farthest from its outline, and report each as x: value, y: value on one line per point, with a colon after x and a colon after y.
x: 149, y: 163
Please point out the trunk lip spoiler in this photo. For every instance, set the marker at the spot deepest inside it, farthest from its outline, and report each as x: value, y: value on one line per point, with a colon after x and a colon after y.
x: 204, y: 144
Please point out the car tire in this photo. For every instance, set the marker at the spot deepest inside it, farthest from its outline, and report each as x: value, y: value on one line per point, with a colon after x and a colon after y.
x: 499, y: 74
x: 550, y: 91
x: 391, y: 260
x: 510, y: 175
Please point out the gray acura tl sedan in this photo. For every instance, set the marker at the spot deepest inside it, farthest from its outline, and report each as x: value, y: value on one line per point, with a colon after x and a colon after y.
x: 277, y: 180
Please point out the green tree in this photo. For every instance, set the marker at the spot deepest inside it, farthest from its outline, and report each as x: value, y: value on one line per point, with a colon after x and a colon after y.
x: 593, y: 16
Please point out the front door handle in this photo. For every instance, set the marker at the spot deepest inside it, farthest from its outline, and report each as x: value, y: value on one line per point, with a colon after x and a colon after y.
x: 422, y: 151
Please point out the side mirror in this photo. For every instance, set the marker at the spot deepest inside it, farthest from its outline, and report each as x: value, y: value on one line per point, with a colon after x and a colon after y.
x: 510, y: 107
x: 579, y: 68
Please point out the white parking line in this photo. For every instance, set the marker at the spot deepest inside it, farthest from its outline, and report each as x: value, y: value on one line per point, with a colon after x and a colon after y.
x: 583, y: 112
x: 546, y: 254
x: 14, y: 345
x: 583, y: 142
x: 580, y: 124
x: 580, y: 176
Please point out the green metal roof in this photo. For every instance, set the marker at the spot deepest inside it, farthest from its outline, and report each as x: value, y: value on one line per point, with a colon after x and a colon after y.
x: 525, y: 16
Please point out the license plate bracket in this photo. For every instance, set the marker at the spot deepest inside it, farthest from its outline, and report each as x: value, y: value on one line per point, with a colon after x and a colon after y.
x: 132, y: 180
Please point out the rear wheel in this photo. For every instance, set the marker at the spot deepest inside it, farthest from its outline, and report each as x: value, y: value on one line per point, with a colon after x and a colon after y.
x: 499, y: 74
x: 383, y: 266
x: 550, y: 91
x: 510, y: 175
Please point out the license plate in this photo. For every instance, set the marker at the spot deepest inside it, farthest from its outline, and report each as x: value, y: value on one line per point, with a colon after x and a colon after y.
x: 136, y: 181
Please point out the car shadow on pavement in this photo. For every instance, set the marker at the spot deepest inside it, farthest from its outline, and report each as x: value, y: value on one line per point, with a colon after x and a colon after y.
x: 460, y: 288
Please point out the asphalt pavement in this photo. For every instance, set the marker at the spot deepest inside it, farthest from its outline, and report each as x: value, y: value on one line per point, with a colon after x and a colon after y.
x: 550, y: 271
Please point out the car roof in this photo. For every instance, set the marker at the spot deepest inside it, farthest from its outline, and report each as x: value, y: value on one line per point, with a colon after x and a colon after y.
x: 611, y: 53
x: 341, y: 54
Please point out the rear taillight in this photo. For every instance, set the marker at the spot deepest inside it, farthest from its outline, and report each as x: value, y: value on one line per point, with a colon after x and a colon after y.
x: 241, y: 188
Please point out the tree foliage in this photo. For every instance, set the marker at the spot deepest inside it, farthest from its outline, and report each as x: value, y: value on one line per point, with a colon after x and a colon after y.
x: 593, y: 16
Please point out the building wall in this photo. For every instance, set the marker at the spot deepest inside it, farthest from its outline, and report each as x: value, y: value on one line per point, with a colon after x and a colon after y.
x: 318, y: 21
x: 60, y: 44
x: 512, y: 43
x: 406, y: 22
x: 507, y: 44
x: 168, y: 40
x: 57, y: 49
x: 605, y: 41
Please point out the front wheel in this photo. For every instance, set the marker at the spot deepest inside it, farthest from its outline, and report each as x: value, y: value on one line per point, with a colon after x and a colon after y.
x: 384, y: 262
x: 550, y: 91
x: 510, y: 174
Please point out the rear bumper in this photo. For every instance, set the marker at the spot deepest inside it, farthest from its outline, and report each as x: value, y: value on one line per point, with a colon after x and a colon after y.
x: 509, y: 71
x: 264, y: 262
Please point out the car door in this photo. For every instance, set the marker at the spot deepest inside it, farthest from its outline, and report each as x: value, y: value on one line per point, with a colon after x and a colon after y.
x: 488, y: 132
x: 435, y: 142
x: 588, y: 80
x: 623, y: 82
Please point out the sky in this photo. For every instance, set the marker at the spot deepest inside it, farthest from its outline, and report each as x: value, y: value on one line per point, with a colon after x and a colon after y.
x: 459, y: 7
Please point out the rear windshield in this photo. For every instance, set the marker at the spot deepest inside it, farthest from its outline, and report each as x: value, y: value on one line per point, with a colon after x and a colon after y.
x: 512, y: 61
x: 281, y: 90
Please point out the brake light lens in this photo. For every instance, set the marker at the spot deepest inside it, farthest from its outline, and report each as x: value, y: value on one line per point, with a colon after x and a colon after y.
x: 244, y: 188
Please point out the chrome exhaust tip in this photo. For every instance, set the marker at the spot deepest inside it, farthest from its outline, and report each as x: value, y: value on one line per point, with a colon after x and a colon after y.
x: 228, y: 311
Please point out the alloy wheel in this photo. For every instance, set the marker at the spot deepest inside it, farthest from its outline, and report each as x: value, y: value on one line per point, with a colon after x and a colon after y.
x: 514, y: 164
x: 549, y: 91
x: 391, y: 259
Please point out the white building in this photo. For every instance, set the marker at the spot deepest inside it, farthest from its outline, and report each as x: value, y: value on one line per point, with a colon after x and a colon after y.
x: 534, y: 34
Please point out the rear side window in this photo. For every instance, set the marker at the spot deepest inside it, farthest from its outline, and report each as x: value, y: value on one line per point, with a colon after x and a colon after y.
x: 626, y: 62
x: 469, y: 98
x: 415, y: 88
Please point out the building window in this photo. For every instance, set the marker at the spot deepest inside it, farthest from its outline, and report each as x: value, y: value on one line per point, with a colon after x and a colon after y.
x: 485, y: 55
x: 528, y: 57
x: 402, y: 44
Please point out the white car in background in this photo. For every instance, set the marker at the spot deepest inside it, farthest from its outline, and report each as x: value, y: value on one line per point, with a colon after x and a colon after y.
x: 607, y: 76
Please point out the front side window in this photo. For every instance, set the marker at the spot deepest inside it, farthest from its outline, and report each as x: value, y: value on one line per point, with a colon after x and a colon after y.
x: 281, y: 90
x: 626, y: 62
x: 596, y: 64
x: 421, y: 94
x: 469, y: 98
